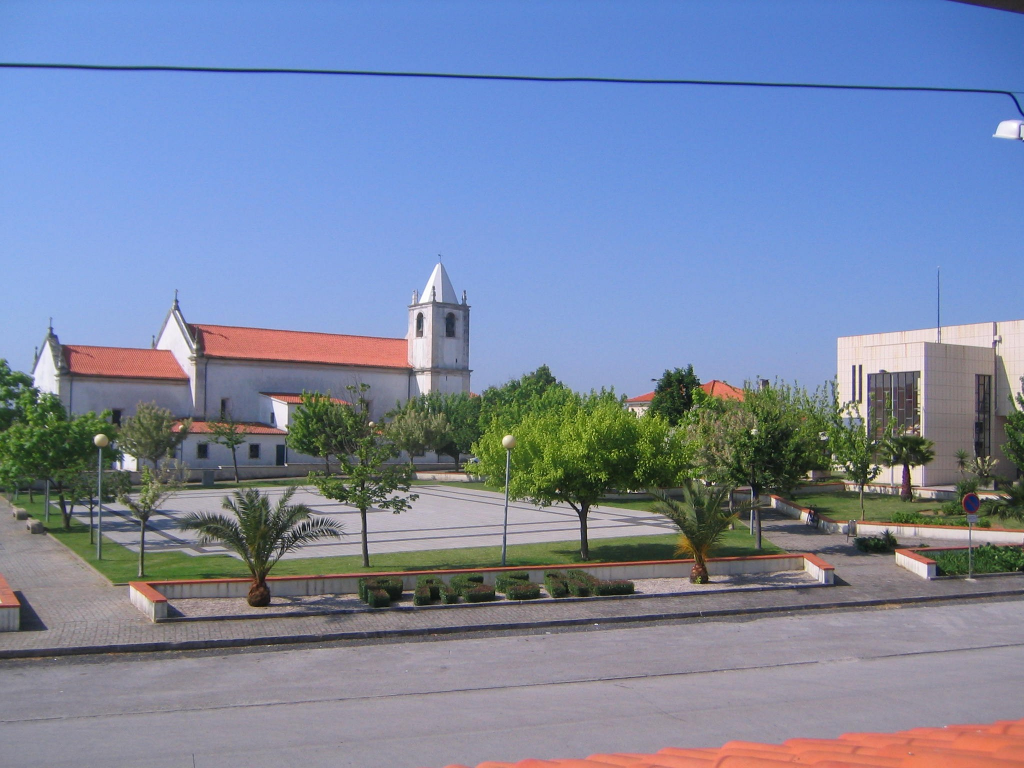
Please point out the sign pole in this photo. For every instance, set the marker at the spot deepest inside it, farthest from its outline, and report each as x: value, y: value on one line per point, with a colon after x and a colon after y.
x: 971, y: 505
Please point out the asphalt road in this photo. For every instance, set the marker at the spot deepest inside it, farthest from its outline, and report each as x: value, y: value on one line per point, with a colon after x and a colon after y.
x: 565, y: 694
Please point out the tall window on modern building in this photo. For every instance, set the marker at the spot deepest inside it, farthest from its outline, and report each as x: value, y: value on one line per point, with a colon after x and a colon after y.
x: 449, y: 325
x: 893, y: 402
x: 419, y: 325
x: 982, y: 415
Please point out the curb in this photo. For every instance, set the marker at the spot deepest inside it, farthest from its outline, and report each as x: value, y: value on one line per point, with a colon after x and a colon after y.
x: 245, y: 642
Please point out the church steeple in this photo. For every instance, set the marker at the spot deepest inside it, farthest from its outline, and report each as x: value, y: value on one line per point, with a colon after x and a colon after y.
x: 438, y: 336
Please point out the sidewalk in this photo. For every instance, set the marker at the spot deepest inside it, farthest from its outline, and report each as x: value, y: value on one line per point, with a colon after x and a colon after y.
x: 69, y: 609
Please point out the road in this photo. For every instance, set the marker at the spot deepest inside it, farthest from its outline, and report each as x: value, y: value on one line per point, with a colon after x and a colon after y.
x: 511, y: 697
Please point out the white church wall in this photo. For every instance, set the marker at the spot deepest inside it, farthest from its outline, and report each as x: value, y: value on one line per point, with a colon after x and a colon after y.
x: 101, y: 393
x: 45, y: 373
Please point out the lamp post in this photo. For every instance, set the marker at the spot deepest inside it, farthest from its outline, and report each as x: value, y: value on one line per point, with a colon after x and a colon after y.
x: 1010, y: 129
x: 101, y: 441
x: 754, y: 518
x: 508, y: 442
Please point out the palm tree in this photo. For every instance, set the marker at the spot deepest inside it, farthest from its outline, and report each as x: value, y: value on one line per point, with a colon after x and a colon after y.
x: 701, y: 520
x: 1010, y: 506
x: 911, y: 451
x: 260, y: 535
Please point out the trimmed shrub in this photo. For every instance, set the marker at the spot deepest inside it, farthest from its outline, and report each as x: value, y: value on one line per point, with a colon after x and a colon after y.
x: 390, y: 584
x: 522, y: 590
x: 614, y: 587
x: 877, y: 544
x: 987, y: 559
x: 377, y: 598
x: 580, y: 583
x: 554, y: 583
x: 479, y: 593
x: 448, y: 595
x: 433, y: 583
x: 505, y: 580
x: 463, y: 582
x: 421, y: 596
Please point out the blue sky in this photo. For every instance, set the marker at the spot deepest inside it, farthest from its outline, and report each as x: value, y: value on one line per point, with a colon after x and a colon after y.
x: 608, y: 231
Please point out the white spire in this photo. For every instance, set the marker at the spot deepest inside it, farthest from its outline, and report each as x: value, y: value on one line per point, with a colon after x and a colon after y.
x: 439, y: 287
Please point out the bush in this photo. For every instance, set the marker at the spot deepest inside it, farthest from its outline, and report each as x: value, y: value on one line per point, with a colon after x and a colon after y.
x: 479, y: 593
x: 614, y: 587
x: 377, y: 598
x: 877, y: 544
x: 505, y: 580
x: 463, y: 582
x: 522, y: 590
x: 390, y: 584
x: 580, y: 583
x: 987, y: 559
x: 448, y: 595
x: 554, y: 583
x: 910, y: 518
x: 433, y: 583
x: 421, y: 596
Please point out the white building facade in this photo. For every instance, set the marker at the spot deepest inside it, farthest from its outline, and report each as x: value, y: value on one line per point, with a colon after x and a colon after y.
x: 953, y: 385
x: 257, y: 375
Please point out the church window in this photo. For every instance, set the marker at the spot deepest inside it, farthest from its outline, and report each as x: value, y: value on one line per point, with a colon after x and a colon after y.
x: 419, y: 325
x: 223, y: 407
x: 449, y: 325
x: 273, y: 419
x: 254, y: 450
x: 202, y: 450
x: 115, y: 416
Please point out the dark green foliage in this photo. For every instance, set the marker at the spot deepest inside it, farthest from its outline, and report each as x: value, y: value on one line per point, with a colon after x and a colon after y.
x: 614, y: 587
x: 987, y: 559
x: 1014, y: 445
x: 448, y: 595
x: 522, y: 590
x: 505, y: 580
x: 877, y: 544
x: 480, y: 593
x: 554, y: 583
x: 422, y: 596
x: 378, y: 598
x: 580, y: 583
x: 432, y: 583
x: 916, y: 518
x: 673, y: 395
x: 392, y: 585
x: 465, y: 581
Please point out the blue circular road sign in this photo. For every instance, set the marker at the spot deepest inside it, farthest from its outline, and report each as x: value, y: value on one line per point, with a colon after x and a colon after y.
x: 971, y: 503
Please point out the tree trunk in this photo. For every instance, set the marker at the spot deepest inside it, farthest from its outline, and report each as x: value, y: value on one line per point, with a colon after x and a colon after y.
x: 366, y: 550
x: 584, y: 544
x: 91, y: 537
x: 142, y: 548
x: 259, y: 593
x: 65, y: 516
x: 862, y: 501
x: 699, y: 573
x: 234, y: 460
x: 327, y: 466
x: 905, y: 492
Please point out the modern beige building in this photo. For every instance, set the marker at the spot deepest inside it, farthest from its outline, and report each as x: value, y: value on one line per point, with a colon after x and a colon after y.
x: 954, y: 385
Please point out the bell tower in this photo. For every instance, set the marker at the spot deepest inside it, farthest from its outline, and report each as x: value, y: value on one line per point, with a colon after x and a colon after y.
x: 438, y: 337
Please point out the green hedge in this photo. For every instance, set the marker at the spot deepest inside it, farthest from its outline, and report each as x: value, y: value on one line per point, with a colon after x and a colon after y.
x: 554, y: 583
x: 886, y: 542
x: 579, y: 583
x: 479, y: 593
x: 377, y: 598
x: 463, y: 582
x: 505, y: 580
x: 522, y: 590
x: 916, y: 518
x: 614, y: 587
x: 392, y: 585
x: 422, y: 596
x: 448, y: 595
x: 432, y: 583
x: 987, y: 559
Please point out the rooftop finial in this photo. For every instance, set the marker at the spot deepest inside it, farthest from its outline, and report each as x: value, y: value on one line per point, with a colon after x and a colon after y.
x: 439, y: 258
x: 463, y: 297
x: 51, y: 326
x: 175, y: 298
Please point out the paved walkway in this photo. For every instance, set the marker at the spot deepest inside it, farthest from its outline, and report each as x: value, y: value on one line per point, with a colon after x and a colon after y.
x: 68, y: 608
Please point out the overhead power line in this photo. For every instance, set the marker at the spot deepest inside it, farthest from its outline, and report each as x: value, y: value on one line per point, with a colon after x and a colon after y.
x: 503, y: 78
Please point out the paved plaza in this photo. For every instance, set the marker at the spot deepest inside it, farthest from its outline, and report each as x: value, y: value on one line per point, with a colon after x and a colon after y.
x: 443, y: 517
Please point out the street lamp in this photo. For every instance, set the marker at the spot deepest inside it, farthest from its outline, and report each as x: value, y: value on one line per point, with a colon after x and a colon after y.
x: 508, y: 442
x: 754, y: 518
x: 101, y: 441
x: 1010, y: 129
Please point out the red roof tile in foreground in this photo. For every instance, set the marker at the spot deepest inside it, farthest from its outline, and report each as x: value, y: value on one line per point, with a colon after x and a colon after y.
x: 229, y: 342
x: 999, y: 745
x: 721, y: 390
x: 122, y: 362
x: 247, y: 428
x: 292, y: 399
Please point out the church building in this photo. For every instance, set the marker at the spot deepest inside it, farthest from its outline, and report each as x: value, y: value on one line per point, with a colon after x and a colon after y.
x: 256, y: 376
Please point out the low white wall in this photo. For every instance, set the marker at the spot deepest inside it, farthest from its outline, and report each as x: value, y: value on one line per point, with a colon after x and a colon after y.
x: 943, y: 532
x: 10, y: 608
x: 916, y: 564
x: 803, y: 513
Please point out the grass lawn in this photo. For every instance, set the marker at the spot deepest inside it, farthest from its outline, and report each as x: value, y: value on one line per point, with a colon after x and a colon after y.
x: 879, y: 507
x: 121, y: 565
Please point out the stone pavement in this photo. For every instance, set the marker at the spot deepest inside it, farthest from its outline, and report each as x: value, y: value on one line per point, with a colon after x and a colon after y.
x: 69, y: 609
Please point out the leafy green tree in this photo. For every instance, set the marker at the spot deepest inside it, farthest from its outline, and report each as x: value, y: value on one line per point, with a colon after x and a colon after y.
x: 48, y: 444
x: 368, y: 479
x: 152, y: 434
x: 413, y: 431
x: 1010, y: 506
x: 229, y: 433
x: 323, y: 427
x: 573, y: 454
x: 907, y: 451
x: 1014, y: 445
x: 854, y: 449
x: 673, y: 395
x: 701, y: 520
x: 258, y: 534
x: 83, y: 491
x: 13, y: 385
x: 461, y: 412
x: 511, y: 402
x: 156, y: 487
x: 983, y: 467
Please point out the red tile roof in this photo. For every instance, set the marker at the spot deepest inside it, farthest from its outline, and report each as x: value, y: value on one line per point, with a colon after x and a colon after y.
x: 292, y: 399
x: 121, y: 362
x: 229, y: 342
x: 962, y: 746
x: 642, y: 398
x: 721, y: 390
x: 247, y: 428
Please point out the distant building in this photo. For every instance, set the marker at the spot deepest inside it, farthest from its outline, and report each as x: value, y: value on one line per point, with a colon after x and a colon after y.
x: 714, y: 388
x: 952, y: 385
x: 257, y: 375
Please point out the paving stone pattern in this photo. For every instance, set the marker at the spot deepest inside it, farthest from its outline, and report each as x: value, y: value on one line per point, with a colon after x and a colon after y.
x: 69, y: 608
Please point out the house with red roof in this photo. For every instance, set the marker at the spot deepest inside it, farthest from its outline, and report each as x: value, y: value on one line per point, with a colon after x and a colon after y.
x: 257, y: 375
x: 714, y: 388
